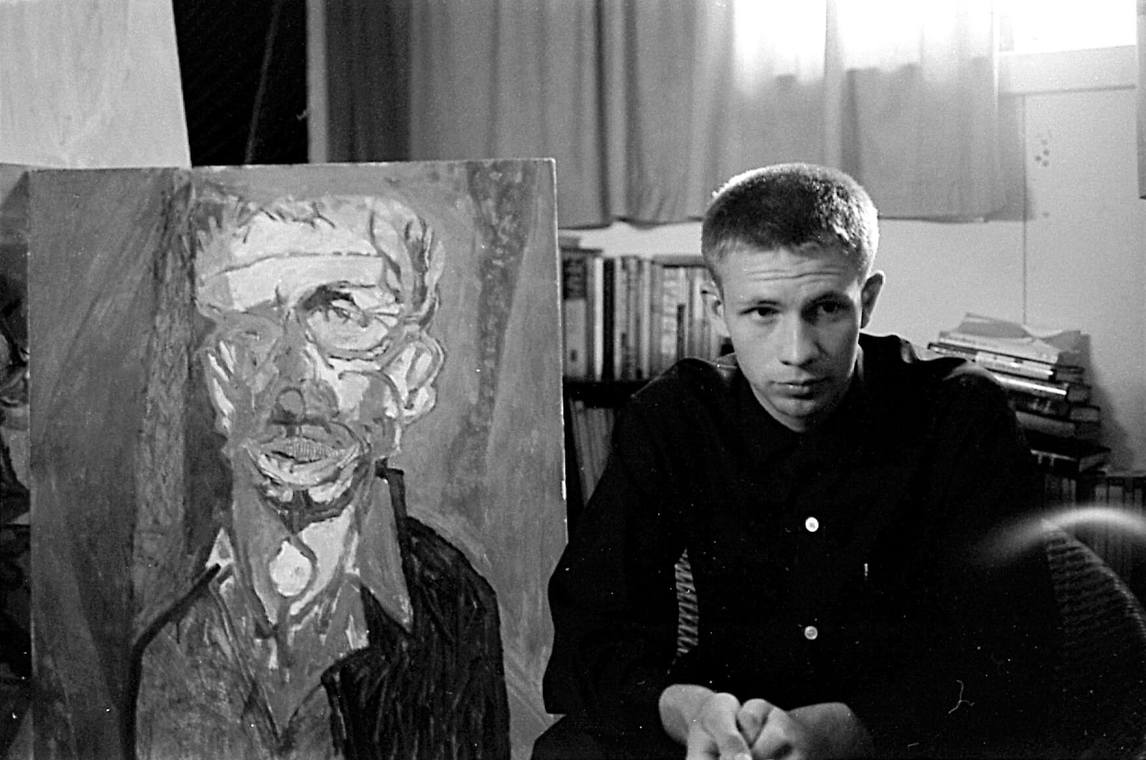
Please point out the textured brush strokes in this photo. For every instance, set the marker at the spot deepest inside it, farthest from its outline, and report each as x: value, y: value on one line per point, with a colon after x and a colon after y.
x: 91, y: 310
x: 128, y: 484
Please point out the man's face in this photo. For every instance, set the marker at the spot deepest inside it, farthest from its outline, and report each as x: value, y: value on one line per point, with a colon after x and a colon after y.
x: 794, y: 319
x: 304, y: 378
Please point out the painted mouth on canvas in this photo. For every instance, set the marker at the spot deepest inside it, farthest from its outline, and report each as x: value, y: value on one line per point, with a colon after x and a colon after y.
x: 303, y: 461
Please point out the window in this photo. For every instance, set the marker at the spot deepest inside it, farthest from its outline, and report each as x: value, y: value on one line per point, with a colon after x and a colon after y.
x: 1042, y: 26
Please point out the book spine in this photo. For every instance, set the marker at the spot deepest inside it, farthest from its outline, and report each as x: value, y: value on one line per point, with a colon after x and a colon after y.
x: 1074, y: 392
x: 1050, y: 407
x: 596, y: 318
x: 1049, y: 460
x: 608, y: 326
x: 575, y: 314
x: 630, y: 348
x: 644, y: 319
x: 997, y: 362
x: 670, y: 320
x: 656, y: 295
x: 1007, y: 348
x: 582, y: 442
x: 1053, y: 426
x: 696, y: 344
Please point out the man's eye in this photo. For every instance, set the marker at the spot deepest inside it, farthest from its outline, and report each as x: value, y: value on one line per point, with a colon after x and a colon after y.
x: 762, y: 312
x: 830, y: 309
x: 345, y: 311
x: 243, y: 350
x: 339, y: 325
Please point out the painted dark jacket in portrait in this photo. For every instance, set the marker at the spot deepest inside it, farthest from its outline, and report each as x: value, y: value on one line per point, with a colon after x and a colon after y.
x: 433, y: 691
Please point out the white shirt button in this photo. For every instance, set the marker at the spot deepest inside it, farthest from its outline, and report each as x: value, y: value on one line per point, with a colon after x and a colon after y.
x: 811, y: 524
x: 811, y: 633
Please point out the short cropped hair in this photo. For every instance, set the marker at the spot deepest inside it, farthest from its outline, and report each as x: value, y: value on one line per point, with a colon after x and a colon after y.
x: 790, y: 206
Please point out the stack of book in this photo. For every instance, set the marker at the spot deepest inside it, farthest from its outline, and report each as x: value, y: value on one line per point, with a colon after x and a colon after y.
x: 631, y: 317
x: 1043, y: 373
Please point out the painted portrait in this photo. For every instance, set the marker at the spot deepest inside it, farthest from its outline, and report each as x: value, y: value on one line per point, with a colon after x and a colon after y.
x: 334, y: 410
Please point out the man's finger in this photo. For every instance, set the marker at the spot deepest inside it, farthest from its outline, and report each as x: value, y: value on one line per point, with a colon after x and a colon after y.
x: 700, y: 746
x: 750, y: 719
x: 718, y: 741
x: 779, y: 737
x: 718, y: 724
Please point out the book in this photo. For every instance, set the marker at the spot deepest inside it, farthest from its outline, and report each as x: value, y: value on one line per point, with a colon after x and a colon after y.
x: 671, y: 313
x: 630, y: 342
x: 579, y: 422
x: 608, y: 319
x: 1066, y: 456
x: 695, y: 340
x: 1049, y: 345
x: 656, y: 296
x: 596, y: 318
x: 644, y: 319
x: 1056, y: 426
x: 1013, y: 365
x: 1054, y: 407
x: 575, y: 311
x: 1073, y: 392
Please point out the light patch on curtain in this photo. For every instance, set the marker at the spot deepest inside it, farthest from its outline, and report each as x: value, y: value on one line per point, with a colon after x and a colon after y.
x: 888, y: 34
x: 777, y: 40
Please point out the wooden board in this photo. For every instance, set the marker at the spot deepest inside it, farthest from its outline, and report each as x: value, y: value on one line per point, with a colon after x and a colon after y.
x: 136, y: 480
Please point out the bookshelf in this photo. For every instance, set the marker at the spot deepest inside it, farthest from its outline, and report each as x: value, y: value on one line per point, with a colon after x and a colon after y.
x: 590, y: 408
x: 625, y: 319
x: 630, y: 317
x: 1096, y: 506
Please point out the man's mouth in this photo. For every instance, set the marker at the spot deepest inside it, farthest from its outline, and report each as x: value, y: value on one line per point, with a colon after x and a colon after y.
x: 301, y: 449
x: 304, y: 456
x: 801, y: 388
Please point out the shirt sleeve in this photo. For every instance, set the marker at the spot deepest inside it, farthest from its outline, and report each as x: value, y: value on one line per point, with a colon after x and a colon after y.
x: 612, y: 595
x: 977, y: 680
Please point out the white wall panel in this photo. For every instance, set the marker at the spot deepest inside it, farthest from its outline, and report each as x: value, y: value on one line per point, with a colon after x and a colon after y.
x: 1086, y: 247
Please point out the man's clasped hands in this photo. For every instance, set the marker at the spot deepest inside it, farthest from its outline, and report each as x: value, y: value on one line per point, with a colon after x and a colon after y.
x: 718, y: 726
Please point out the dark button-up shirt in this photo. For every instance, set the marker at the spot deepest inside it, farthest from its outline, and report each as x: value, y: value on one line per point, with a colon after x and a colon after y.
x: 840, y: 564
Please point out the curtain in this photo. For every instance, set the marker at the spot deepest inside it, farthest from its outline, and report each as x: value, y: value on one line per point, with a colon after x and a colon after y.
x: 648, y: 105
x: 1142, y: 98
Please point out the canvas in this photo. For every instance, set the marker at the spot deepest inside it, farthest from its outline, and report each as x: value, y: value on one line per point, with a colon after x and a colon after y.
x: 296, y: 459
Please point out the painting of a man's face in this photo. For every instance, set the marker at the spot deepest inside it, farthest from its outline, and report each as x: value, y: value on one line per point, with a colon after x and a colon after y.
x: 319, y: 356
x: 301, y: 458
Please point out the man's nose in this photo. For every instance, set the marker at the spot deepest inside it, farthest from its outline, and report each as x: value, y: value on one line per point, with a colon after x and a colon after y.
x: 291, y: 360
x: 797, y: 342
x: 298, y: 392
x: 290, y: 404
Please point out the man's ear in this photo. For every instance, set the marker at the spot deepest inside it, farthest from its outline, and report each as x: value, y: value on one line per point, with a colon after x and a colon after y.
x: 869, y: 295
x: 715, y: 305
x: 413, y: 372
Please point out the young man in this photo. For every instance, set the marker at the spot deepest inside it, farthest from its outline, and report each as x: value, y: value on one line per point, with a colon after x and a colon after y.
x: 830, y: 489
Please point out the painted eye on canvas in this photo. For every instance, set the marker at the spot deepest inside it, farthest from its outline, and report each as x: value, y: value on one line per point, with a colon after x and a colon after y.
x: 245, y: 344
x: 348, y: 319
